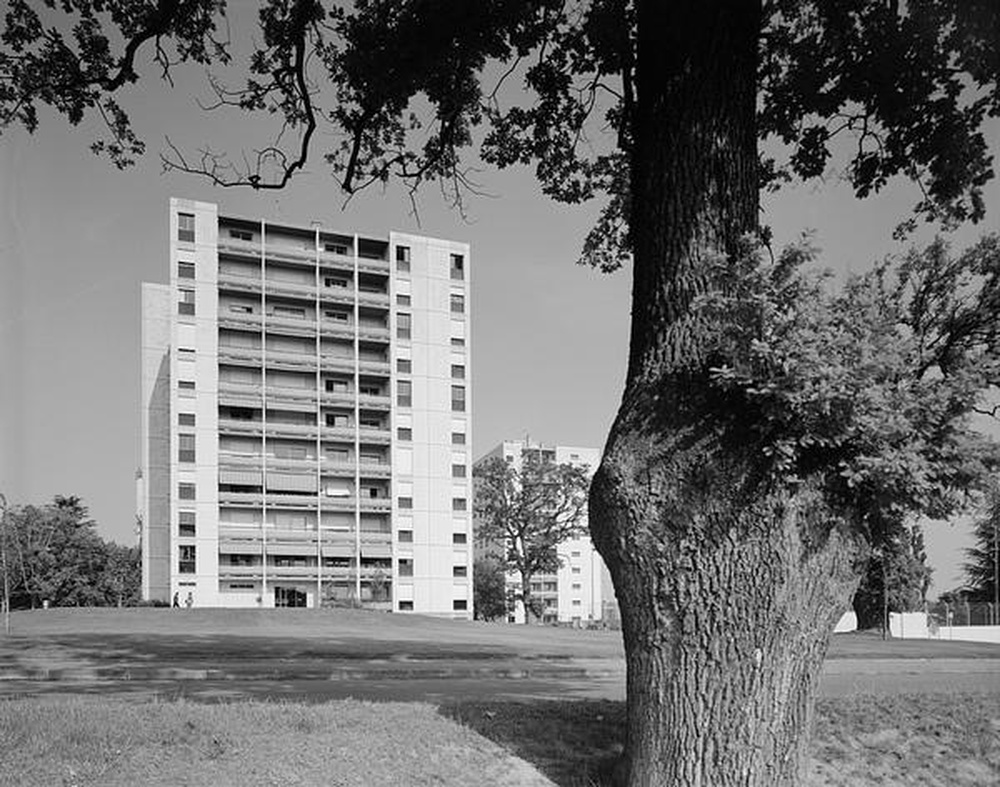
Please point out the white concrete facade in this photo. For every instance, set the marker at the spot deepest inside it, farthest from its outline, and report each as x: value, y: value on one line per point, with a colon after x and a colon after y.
x: 580, y: 593
x: 306, y: 421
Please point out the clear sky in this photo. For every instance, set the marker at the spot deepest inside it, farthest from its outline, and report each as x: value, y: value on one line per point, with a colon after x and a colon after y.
x: 550, y: 337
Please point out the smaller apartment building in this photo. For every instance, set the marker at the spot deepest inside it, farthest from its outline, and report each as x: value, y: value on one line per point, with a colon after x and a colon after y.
x: 581, y: 592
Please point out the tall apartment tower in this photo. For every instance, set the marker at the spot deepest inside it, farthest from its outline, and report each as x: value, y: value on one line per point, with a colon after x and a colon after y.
x: 306, y: 420
x: 581, y: 591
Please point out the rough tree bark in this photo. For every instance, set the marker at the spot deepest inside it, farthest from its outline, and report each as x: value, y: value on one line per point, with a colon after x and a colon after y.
x: 728, y: 586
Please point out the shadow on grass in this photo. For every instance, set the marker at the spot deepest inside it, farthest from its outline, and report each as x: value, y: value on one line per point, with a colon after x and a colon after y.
x: 575, y: 743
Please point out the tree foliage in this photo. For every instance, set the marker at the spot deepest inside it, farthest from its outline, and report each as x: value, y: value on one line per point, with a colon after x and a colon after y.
x: 489, y: 589
x: 897, y: 578
x: 54, y: 555
x: 524, y: 513
x: 981, y: 559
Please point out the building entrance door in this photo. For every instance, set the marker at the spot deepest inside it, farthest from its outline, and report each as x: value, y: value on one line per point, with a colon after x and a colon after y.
x: 289, y: 597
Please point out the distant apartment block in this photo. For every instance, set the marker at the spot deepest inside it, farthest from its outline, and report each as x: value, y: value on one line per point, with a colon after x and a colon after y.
x: 306, y: 427
x: 580, y: 593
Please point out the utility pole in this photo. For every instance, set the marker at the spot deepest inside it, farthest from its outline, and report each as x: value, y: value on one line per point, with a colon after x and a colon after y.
x: 3, y: 558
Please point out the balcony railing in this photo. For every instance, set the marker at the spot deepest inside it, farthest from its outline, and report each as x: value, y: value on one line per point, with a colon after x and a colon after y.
x: 278, y: 393
x: 238, y: 282
x: 381, y: 504
x: 240, y: 355
x: 373, y: 332
x: 372, y: 435
x: 375, y: 470
x: 239, y: 426
x: 295, y: 326
x: 239, y: 320
x: 373, y: 298
x: 375, y: 401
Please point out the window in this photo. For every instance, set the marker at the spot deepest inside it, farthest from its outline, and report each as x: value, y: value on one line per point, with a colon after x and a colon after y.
x: 369, y: 389
x: 458, y: 471
x: 185, y: 491
x: 576, y: 602
x: 458, y: 504
x: 404, y: 433
x: 403, y: 259
x: 186, y: 564
x: 185, y: 270
x: 460, y: 571
x: 457, y: 341
x: 185, y: 523
x: 185, y: 303
x: 405, y: 567
x: 185, y: 227
x: 459, y: 605
x: 241, y: 235
x: 458, y: 438
x: 371, y: 421
x: 185, y: 353
x: 185, y: 446
x: 402, y: 300
x: 336, y: 386
x: 241, y: 308
x: 334, y: 281
x: 459, y: 539
x: 457, y: 267
x: 404, y: 393
x: 185, y: 386
x: 338, y: 455
x: 404, y: 365
x: 185, y: 419
x: 335, y: 315
x: 575, y: 553
x: 402, y: 326
x: 457, y: 304
x: 405, y: 502
x: 335, y: 248
x: 457, y: 371
x: 336, y: 420
x: 406, y: 606
x: 458, y: 398
x: 576, y: 586
x: 576, y: 569
x: 405, y: 536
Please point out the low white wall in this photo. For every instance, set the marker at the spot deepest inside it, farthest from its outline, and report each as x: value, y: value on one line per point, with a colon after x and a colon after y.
x: 914, y: 625
x: 969, y: 633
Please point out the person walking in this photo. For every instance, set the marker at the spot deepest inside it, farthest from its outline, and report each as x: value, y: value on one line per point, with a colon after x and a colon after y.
x: 189, y: 601
x: 177, y: 600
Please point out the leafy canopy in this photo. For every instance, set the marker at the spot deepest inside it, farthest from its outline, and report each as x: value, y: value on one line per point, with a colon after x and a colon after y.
x: 400, y: 87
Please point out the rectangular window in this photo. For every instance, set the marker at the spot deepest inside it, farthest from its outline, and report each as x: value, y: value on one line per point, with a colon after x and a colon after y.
x: 404, y: 433
x: 574, y: 553
x: 458, y: 504
x: 460, y: 571
x: 370, y: 390
x: 404, y: 365
x: 404, y: 393
x: 185, y: 270
x: 185, y: 419
x: 576, y: 569
x: 576, y: 602
x: 186, y: 563
x: 458, y: 398
x: 406, y: 606
x: 458, y: 471
x: 334, y: 281
x: 241, y: 235
x: 337, y: 420
x: 405, y: 567
x: 460, y: 605
x: 458, y: 539
x: 336, y: 386
x: 335, y: 315
x: 186, y: 523
x: 185, y: 353
x: 405, y: 502
x: 458, y: 438
x: 185, y: 386
x: 402, y: 326
x: 185, y: 227
x: 457, y: 371
x: 185, y: 302
x: 457, y: 304
x: 241, y: 308
x: 576, y: 586
x: 457, y: 267
x: 405, y: 536
x: 185, y: 448
x: 185, y: 491
x: 457, y: 341
x: 402, y: 300
x: 335, y: 248
x: 403, y: 259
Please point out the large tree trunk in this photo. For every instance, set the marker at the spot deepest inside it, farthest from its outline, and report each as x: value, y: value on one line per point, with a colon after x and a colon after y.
x: 729, y: 584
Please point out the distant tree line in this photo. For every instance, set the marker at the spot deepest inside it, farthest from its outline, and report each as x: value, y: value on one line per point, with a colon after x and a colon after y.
x: 54, y: 554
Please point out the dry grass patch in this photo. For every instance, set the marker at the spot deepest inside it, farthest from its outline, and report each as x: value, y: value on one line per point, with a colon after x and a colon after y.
x: 74, y: 742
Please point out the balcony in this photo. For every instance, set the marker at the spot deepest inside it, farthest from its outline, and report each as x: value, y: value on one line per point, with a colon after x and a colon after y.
x: 289, y: 572
x: 282, y: 500
x: 241, y: 498
x: 277, y: 394
x: 298, y: 464
x: 380, y: 332
x: 373, y: 298
x: 291, y: 430
x: 291, y: 289
x: 336, y: 363
x: 239, y: 394
x: 239, y: 248
x: 375, y: 401
x: 239, y: 426
x: 337, y: 433
x: 334, y: 260
x: 374, y: 367
x: 375, y: 470
x: 330, y: 503
x: 345, y: 398
x: 239, y: 572
x: 342, y: 330
x: 375, y: 436
x: 241, y: 356
x: 292, y: 326
x: 376, y: 504
x: 296, y: 254
x: 295, y: 361
x: 240, y: 320
x: 235, y: 282
x: 373, y: 264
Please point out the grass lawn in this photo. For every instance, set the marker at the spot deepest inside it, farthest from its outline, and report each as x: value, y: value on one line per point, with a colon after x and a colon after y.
x: 930, y: 741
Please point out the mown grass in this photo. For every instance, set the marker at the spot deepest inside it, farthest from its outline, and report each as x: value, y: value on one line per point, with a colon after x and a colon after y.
x: 925, y: 740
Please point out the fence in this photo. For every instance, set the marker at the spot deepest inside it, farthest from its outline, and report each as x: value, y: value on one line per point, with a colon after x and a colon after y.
x: 963, y: 613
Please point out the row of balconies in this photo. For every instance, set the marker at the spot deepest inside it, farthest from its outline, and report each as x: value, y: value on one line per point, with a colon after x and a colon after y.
x: 302, y: 256
x: 308, y: 501
x: 365, y: 434
x: 367, y: 469
x: 308, y: 572
x: 249, y: 395
x: 297, y: 361
x: 332, y: 329
x: 237, y: 538
x: 305, y: 291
